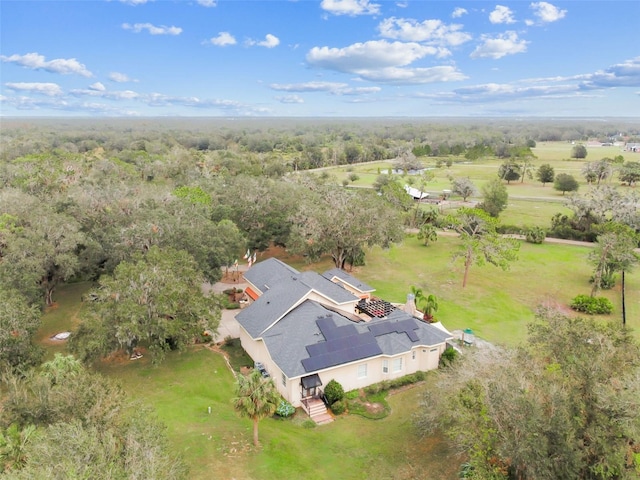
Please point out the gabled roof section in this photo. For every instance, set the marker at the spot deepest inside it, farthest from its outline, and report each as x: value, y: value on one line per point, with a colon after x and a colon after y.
x: 327, y: 288
x: 342, y: 276
x: 272, y: 306
x: 266, y: 274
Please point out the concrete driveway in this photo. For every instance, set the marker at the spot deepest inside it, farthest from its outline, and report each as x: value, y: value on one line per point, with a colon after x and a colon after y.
x: 228, y: 327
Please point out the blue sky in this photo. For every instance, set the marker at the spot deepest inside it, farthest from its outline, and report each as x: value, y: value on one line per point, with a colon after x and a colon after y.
x: 330, y: 58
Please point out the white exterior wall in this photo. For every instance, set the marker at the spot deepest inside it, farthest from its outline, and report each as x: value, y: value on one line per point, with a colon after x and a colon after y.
x: 349, y: 307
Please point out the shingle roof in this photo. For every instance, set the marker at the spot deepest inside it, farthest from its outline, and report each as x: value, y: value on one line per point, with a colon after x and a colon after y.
x: 348, y: 279
x: 295, y: 329
x: 268, y: 273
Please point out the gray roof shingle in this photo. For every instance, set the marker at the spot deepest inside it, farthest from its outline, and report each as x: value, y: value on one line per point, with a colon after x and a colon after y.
x: 348, y: 279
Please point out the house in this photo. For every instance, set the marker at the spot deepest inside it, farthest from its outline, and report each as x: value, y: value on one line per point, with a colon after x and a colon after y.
x: 307, y: 329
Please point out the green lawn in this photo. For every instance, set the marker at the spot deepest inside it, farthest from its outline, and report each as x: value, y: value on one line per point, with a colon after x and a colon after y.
x: 218, y: 445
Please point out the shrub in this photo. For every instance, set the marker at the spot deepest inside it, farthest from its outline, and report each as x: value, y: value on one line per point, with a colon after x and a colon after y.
x: 285, y: 409
x: 535, y: 234
x: 350, y: 395
x: 334, y: 392
x: 353, y: 177
x: 448, y: 356
x: 592, y: 305
x: 339, y: 407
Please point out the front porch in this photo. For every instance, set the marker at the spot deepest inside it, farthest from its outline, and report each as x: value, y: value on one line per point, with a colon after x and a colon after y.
x: 312, y: 402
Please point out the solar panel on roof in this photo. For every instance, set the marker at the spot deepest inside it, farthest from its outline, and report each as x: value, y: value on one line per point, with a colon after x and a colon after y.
x: 343, y: 345
x: 407, y: 326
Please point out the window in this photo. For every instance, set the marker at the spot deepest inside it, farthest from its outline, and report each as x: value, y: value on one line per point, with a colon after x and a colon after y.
x: 385, y: 366
x: 397, y: 364
x: 284, y: 380
x: 413, y: 355
x: 362, y: 371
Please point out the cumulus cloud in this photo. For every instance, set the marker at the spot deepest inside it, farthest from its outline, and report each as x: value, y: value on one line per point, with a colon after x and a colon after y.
x: 289, y: 99
x: 49, y: 89
x: 97, y: 86
x: 626, y: 74
x: 546, y: 13
x: 368, y: 55
x: 380, y: 61
x: 152, y: 29
x: 458, y: 12
x: 350, y: 7
x: 92, y: 91
x: 208, y: 3
x: 223, y: 39
x: 270, y: 41
x: 431, y: 31
x: 413, y: 76
x: 499, y: 46
x: 120, y: 77
x: 35, y: 61
x: 501, y: 14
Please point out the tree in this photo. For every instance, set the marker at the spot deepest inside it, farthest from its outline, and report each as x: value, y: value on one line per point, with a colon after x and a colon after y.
x: 341, y: 223
x: 562, y: 406
x: 428, y: 234
x: 545, y: 173
x: 19, y: 321
x: 565, y: 183
x: 595, y: 172
x: 256, y: 398
x: 41, y: 246
x: 429, y: 306
x: 480, y: 241
x: 155, y: 301
x: 579, y: 151
x: 495, y: 197
x: 613, y: 252
x: 629, y: 173
x: 64, y: 421
x: 509, y: 170
x: 464, y: 187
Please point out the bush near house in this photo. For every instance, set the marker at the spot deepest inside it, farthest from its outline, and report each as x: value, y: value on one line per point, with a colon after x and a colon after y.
x: 333, y: 392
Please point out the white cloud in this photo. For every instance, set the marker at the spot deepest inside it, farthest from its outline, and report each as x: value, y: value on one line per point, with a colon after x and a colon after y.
x: 432, y: 31
x: 49, y: 89
x: 270, y: 41
x: 350, y: 7
x: 134, y: 2
x: 413, y: 76
x: 35, y: 61
x: 223, y: 39
x: 308, y: 86
x: 97, y: 86
x: 380, y: 61
x: 368, y: 55
x: 625, y: 74
x: 501, y: 14
x: 104, y: 93
x: 207, y: 3
x: 334, y: 88
x: 502, y: 45
x: 152, y: 29
x: 289, y: 99
x: 458, y: 12
x: 546, y: 12
x: 120, y: 77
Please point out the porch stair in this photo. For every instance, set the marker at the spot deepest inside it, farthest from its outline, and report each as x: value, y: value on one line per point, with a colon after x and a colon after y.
x: 317, y: 410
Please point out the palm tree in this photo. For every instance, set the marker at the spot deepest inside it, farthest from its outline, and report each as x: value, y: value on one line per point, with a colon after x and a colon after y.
x: 430, y: 307
x: 256, y: 398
